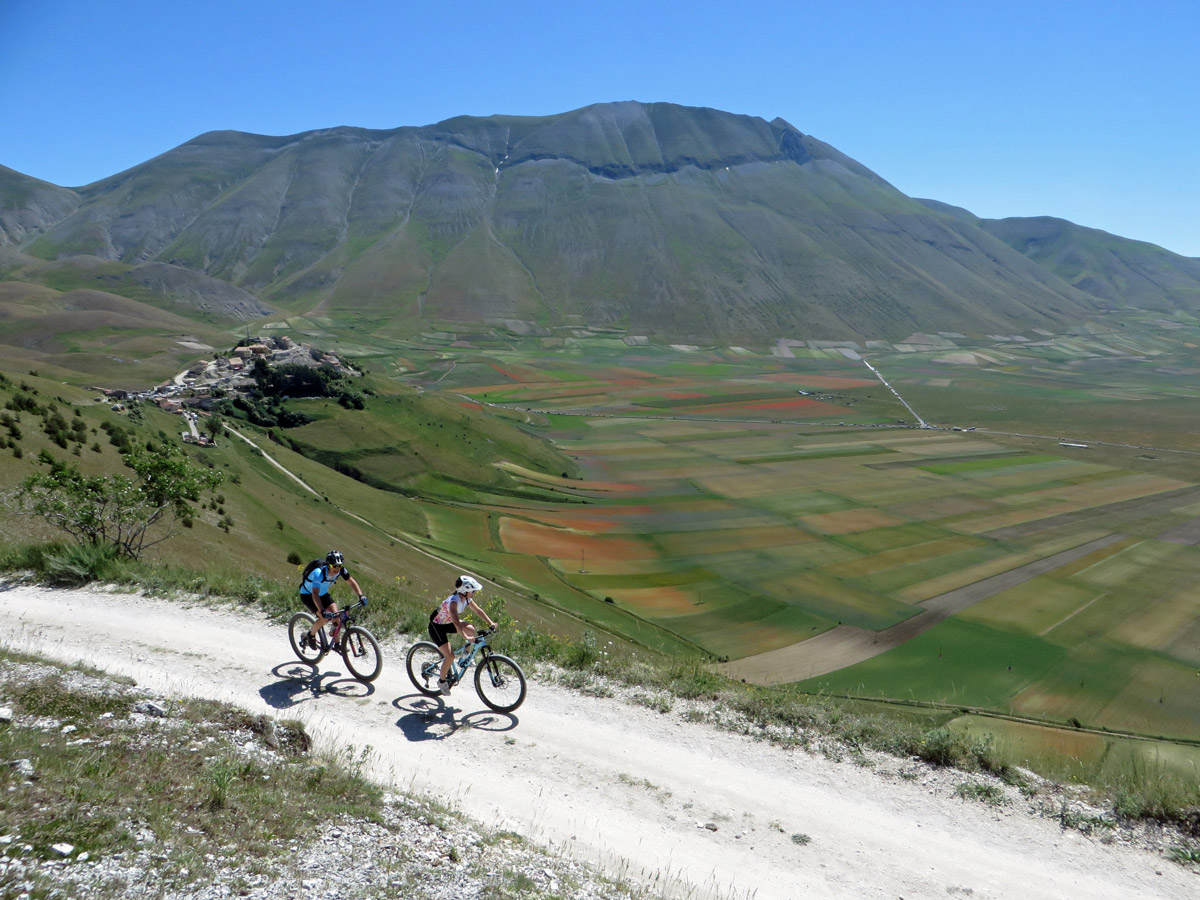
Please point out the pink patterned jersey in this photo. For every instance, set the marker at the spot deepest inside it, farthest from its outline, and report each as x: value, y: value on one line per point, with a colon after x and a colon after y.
x: 442, y: 617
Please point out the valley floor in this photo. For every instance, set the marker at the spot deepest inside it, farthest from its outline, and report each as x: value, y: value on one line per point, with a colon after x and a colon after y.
x: 693, y: 811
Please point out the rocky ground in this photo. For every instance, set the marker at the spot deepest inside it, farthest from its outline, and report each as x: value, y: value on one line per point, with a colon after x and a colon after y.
x: 413, y: 848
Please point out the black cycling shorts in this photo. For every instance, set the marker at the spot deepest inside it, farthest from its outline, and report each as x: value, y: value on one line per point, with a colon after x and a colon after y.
x: 439, y: 633
x: 312, y: 607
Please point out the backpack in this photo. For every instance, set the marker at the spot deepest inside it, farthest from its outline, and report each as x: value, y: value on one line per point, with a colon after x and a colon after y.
x: 308, y: 570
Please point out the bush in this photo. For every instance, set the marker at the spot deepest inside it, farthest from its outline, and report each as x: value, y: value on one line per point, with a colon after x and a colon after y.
x: 66, y: 564
x: 941, y: 747
x: 984, y: 793
x: 116, y: 510
x: 693, y: 678
x: 581, y: 654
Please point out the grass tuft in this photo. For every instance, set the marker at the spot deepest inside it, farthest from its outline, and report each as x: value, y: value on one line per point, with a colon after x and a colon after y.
x: 985, y: 793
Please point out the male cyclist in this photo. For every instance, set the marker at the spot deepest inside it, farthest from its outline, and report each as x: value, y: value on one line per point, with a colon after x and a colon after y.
x: 315, y: 592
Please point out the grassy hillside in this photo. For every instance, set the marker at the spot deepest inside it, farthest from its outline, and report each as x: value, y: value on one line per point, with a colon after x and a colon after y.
x: 259, y: 516
x: 30, y: 206
x: 662, y: 219
x: 428, y: 445
x: 1121, y: 271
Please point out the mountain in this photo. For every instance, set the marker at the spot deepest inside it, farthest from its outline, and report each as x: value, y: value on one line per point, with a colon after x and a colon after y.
x: 662, y: 219
x: 1121, y: 271
x: 29, y: 206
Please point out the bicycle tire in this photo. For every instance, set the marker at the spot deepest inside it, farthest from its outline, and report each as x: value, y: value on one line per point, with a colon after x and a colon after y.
x: 500, y: 683
x: 298, y: 626
x: 424, y: 664
x: 360, y: 650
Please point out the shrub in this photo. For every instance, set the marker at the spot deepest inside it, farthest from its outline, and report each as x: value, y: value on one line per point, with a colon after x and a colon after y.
x: 116, y: 511
x: 1147, y: 791
x: 72, y: 565
x: 581, y: 654
x: 941, y: 747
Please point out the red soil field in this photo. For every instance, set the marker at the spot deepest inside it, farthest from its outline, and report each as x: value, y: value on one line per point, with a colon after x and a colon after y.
x: 599, y: 521
x: 506, y: 373
x: 633, y: 373
x: 519, y: 536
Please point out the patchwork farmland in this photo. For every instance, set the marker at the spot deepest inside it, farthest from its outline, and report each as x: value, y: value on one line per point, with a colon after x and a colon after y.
x: 774, y: 514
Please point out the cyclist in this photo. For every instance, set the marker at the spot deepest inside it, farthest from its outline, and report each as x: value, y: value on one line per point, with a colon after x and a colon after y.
x: 315, y: 592
x: 446, y: 619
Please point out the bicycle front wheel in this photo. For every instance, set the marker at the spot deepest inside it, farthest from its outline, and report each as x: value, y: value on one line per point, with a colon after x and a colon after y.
x: 424, y: 663
x: 500, y: 683
x: 298, y: 628
x: 360, y: 650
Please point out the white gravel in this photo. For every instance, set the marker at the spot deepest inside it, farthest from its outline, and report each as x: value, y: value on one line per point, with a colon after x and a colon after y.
x: 688, y: 809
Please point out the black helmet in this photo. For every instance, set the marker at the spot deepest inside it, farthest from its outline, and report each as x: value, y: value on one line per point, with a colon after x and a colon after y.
x: 334, y: 558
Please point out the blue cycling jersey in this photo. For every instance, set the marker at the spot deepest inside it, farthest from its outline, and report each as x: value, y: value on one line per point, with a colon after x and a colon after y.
x: 320, y: 579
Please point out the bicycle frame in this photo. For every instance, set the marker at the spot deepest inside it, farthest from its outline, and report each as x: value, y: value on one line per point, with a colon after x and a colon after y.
x: 341, y: 620
x: 463, y: 659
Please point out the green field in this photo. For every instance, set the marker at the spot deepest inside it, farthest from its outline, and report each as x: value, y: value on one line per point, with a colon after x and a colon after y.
x: 766, y: 527
x: 738, y: 504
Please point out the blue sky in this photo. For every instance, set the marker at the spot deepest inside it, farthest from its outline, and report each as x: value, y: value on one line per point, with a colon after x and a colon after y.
x: 1083, y: 110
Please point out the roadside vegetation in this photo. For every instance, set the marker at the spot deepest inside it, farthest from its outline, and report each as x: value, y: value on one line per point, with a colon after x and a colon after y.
x: 111, y: 792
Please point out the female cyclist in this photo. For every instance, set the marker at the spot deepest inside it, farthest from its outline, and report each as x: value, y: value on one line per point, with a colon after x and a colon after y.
x: 446, y: 619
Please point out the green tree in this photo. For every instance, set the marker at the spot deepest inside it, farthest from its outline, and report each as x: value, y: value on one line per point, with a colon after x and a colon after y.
x: 120, y: 510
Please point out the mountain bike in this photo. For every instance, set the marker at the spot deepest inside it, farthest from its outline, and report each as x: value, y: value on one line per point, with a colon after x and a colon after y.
x: 358, y: 646
x: 499, y: 681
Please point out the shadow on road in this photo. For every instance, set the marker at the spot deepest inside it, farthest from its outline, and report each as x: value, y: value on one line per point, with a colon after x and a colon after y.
x: 299, y: 682
x: 432, y: 719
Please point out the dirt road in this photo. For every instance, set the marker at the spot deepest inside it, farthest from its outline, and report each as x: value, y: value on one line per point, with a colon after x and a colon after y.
x: 630, y: 788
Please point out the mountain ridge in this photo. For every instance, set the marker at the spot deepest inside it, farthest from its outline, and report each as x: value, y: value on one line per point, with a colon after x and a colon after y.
x: 663, y: 219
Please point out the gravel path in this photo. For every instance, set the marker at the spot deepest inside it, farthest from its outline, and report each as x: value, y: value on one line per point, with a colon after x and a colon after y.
x: 694, y: 811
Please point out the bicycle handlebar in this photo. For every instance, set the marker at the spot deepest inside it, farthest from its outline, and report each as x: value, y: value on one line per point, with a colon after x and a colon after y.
x: 343, y: 613
x: 482, y: 633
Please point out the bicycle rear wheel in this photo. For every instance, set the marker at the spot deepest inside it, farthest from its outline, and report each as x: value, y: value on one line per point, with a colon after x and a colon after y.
x: 500, y: 683
x: 298, y: 628
x: 360, y: 650
x: 424, y: 664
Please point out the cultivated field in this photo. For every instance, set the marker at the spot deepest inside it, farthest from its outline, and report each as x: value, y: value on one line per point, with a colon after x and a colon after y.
x: 797, y: 532
x: 780, y: 511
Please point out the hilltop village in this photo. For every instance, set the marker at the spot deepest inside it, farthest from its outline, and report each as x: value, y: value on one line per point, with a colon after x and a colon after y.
x: 207, y: 381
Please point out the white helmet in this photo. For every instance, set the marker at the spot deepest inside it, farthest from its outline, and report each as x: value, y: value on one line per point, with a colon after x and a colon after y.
x: 467, y: 584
